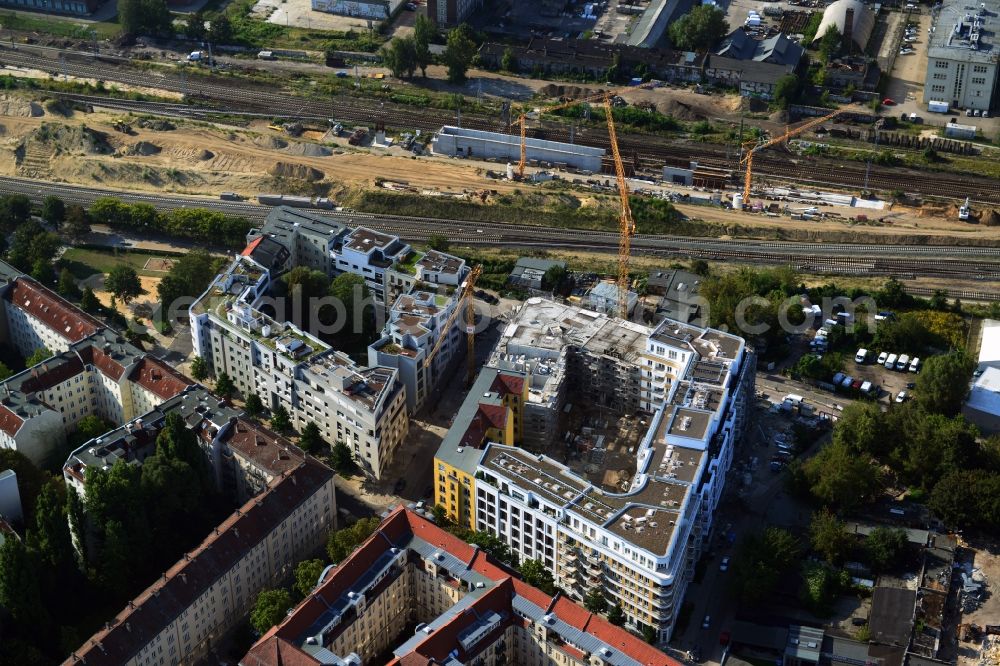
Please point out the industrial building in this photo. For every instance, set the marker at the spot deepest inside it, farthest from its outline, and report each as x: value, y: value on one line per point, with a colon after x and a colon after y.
x: 854, y: 20
x: 982, y: 407
x: 376, y: 10
x: 478, y: 144
x: 72, y: 7
x: 962, y: 55
x: 641, y: 513
x: 465, y: 606
x: 778, y: 50
x: 651, y: 28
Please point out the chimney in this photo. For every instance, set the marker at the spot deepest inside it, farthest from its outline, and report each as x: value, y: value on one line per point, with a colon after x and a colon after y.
x: 848, y: 30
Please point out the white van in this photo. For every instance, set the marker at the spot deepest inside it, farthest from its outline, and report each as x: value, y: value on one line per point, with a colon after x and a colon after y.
x: 903, y: 363
x: 890, y: 363
x: 794, y: 399
x: 861, y: 356
x: 882, y: 357
x: 915, y: 365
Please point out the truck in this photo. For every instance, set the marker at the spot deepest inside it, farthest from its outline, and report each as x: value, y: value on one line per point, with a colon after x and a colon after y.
x: 937, y: 106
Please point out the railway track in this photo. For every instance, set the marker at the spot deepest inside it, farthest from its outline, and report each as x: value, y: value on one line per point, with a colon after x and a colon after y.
x: 230, y: 95
x: 903, y: 261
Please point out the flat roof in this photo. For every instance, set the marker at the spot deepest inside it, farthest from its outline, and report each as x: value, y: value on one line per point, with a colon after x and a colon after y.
x: 989, y: 348
x: 966, y: 31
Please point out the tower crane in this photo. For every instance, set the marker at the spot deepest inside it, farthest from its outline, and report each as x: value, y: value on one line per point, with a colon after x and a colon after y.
x: 466, y: 303
x: 748, y: 157
x: 626, y: 223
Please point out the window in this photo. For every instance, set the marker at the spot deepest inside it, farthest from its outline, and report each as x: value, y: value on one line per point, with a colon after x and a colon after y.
x: 941, y: 64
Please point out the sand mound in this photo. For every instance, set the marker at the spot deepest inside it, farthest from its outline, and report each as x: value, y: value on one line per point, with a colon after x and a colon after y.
x: 270, y: 142
x: 205, y: 155
x: 569, y: 92
x: 72, y: 139
x: 680, y: 110
x: 143, y: 148
x: 778, y: 117
x: 156, y: 124
x: 300, y: 171
x: 990, y: 218
x: 308, y: 150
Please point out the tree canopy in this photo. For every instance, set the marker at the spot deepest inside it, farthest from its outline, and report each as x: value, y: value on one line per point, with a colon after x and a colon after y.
x: 760, y: 561
x: 123, y: 283
x: 307, y: 573
x: 459, y: 52
x: 270, y: 609
x: 943, y: 383
x: 341, y: 543
x: 828, y: 537
x: 144, y: 17
x: 535, y: 573
x: 699, y: 29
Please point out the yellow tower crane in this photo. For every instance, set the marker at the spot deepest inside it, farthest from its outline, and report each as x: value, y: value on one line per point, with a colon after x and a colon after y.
x: 465, y: 303
x: 748, y: 157
x: 626, y: 223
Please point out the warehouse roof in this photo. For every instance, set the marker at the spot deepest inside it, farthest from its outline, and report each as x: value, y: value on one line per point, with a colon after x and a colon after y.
x: 836, y: 16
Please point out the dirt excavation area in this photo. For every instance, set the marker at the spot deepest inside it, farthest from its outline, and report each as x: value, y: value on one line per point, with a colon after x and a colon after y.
x: 44, y: 139
x: 108, y: 149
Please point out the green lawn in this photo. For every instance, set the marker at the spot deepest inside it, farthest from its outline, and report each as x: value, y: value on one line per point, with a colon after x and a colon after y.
x: 84, y: 262
x: 61, y: 26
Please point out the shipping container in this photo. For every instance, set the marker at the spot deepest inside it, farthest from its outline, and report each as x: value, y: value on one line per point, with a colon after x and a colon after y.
x: 935, y: 106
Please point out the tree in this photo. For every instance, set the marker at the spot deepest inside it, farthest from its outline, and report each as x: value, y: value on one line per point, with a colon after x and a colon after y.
x: 67, y: 284
x: 30, y: 479
x: 400, y: 56
x: 595, y: 601
x: 32, y: 244
x: 41, y: 271
x: 307, y: 573
x: 649, y: 634
x: 77, y: 224
x: 199, y: 370
x: 15, y: 210
x: 424, y: 33
x: 270, y: 609
x: 841, y: 479
x: 699, y: 29
x: 616, y: 615
x: 943, y: 384
x: 787, y: 90
x: 554, y: 277
x: 493, y: 545
x: 220, y: 30
x: 224, y: 385
x: 53, y: 210
x: 459, y: 52
x: 178, y: 442
x: 341, y: 543
x: 189, y: 276
x: 194, y: 27
x: 830, y: 43
x: 885, y: 546
x: 144, y: 17
x: 508, y: 62
x: 50, y: 540
x: 968, y: 499
x: 254, y: 405
x: 311, y: 440
x: 5, y: 372
x: 88, y: 301
x: 280, y: 420
x: 20, y: 593
x: 439, y: 242
x: 534, y: 573
x: 37, y: 356
x: 342, y: 459
x: 123, y: 282
x: 351, y: 290
x: 760, y: 561
x: 92, y: 426
x: 829, y: 538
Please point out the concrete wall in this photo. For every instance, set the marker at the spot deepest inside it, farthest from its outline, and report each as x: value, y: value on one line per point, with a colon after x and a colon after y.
x: 677, y: 175
x: 371, y: 9
x: 478, y: 144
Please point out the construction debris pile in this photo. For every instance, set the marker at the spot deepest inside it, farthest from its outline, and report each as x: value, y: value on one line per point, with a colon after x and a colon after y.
x: 974, y: 588
x: 989, y: 655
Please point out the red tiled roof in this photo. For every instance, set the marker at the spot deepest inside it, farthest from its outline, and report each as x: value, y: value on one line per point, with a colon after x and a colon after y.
x: 507, y: 384
x: 159, y: 378
x: 57, y: 313
x: 10, y: 422
x: 487, y: 416
x: 52, y: 372
x: 395, y: 529
x: 279, y: 652
x: 248, y: 250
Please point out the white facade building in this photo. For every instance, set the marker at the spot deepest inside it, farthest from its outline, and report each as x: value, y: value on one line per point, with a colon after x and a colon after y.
x: 638, y: 539
x: 962, y: 55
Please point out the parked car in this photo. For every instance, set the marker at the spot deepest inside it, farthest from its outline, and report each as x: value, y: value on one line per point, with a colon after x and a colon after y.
x: 902, y: 396
x: 861, y: 356
x: 724, y: 564
x: 706, y: 622
x: 882, y: 357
